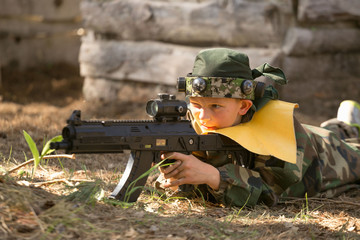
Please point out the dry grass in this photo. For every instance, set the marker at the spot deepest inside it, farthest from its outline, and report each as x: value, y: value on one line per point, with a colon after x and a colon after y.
x: 36, y: 208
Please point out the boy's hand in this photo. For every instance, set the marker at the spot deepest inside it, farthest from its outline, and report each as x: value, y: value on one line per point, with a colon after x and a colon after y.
x: 187, y: 169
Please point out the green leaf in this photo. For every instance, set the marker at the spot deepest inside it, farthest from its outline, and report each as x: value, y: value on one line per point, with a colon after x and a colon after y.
x: 33, y: 149
x: 46, y: 150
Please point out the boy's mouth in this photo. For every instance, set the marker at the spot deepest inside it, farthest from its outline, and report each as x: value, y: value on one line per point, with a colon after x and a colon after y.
x: 208, y: 128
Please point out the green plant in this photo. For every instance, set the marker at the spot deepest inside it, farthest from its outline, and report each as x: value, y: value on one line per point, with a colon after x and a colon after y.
x: 88, y: 192
x: 9, y: 158
x: 68, y: 173
x: 115, y: 202
x: 35, y: 152
x: 304, y: 213
x: 236, y: 212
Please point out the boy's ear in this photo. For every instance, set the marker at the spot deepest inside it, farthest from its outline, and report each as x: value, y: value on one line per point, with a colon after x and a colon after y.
x: 245, y: 105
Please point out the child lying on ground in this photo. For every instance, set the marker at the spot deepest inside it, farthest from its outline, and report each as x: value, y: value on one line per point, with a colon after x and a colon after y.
x: 284, y: 159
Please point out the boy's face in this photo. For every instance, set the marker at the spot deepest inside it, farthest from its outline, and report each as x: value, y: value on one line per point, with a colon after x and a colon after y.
x: 215, y: 113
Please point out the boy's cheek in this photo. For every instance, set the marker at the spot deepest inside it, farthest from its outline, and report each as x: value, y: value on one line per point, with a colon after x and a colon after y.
x: 195, y: 114
x: 193, y: 110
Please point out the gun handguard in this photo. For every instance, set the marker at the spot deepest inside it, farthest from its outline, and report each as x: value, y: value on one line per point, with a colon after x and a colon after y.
x: 145, y: 138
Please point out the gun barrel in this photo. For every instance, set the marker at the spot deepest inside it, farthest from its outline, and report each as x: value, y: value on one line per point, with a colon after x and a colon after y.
x: 60, y: 145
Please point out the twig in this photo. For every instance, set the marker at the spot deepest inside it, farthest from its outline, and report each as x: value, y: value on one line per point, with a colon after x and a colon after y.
x: 43, y: 168
x: 67, y: 181
x: 44, y: 157
x: 5, y: 227
x: 36, y: 217
x: 322, y: 199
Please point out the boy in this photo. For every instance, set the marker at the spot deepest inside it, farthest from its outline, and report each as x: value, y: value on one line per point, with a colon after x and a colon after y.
x: 285, y: 158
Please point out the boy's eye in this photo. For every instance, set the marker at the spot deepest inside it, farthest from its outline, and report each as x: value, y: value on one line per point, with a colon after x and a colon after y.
x: 195, y: 105
x: 215, y: 106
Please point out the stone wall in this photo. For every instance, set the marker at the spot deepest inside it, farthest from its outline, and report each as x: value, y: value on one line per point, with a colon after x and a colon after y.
x: 133, y: 49
x: 321, y: 55
x: 35, y: 32
x: 316, y: 43
x: 155, y: 42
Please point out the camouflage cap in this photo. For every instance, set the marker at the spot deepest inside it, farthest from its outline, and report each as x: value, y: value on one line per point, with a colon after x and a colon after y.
x: 222, y: 62
x: 224, y: 71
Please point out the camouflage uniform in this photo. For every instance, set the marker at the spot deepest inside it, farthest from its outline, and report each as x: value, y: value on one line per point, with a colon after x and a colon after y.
x: 327, y: 162
x: 327, y: 165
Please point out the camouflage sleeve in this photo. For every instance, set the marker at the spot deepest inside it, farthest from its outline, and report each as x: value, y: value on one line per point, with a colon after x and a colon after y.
x: 241, y: 186
x: 238, y: 186
x: 325, y: 166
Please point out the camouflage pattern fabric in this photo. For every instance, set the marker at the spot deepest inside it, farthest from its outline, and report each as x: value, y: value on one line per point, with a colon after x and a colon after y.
x: 328, y: 164
x: 220, y: 87
x: 326, y: 167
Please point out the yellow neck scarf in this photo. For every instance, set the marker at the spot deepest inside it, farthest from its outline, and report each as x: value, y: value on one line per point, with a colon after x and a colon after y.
x: 270, y: 132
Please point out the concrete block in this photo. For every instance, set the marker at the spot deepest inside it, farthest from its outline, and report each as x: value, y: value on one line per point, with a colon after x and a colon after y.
x: 206, y: 23
x: 328, y: 10
x: 29, y: 52
x: 306, y: 41
x: 147, y: 61
x: 41, y: 10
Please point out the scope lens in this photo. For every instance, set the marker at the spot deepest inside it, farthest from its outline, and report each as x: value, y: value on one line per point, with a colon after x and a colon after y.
x: 152, y: 108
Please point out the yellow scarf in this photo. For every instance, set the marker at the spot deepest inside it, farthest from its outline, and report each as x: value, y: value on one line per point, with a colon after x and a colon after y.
x: 270, y: 131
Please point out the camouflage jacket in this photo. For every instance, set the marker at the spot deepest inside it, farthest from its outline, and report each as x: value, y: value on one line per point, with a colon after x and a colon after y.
x: 328, y: 163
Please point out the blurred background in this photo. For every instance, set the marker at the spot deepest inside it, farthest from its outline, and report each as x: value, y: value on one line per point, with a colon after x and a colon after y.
x: 107, y: 51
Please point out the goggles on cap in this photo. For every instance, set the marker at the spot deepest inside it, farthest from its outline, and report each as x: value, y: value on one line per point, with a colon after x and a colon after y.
x: 221, y: 87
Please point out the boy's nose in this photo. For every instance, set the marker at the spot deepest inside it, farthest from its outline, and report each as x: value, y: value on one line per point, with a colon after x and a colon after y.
x: 204, y: 115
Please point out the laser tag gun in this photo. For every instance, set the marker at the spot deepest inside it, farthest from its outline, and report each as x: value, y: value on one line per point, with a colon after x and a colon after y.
x: 146, y: 140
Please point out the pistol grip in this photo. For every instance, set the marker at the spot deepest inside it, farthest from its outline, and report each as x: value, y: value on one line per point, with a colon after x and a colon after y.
x: 139, y: 162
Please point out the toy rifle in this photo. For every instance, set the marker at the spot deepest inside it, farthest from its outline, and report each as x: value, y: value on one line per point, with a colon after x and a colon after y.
x: 146, y: 139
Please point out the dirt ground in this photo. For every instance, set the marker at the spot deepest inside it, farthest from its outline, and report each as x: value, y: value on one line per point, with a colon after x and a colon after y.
x: 45, y: 207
